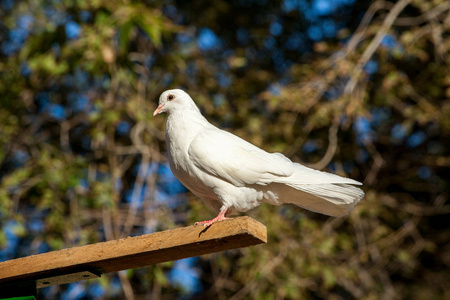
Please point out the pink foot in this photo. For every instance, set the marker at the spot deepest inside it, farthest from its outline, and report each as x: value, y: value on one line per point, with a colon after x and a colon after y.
x: 220, y: 217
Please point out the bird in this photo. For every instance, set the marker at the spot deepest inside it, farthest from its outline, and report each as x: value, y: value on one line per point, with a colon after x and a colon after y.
x: 232, y: 175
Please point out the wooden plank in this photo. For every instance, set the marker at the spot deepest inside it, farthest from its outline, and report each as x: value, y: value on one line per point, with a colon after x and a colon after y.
x: 139, y: 251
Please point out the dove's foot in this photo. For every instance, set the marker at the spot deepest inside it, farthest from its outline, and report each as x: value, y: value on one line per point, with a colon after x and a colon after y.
x: 220, y: 217
x: 210, y: 222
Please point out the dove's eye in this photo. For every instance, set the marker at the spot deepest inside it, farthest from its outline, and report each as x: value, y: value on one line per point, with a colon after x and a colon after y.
x: 170, y: 97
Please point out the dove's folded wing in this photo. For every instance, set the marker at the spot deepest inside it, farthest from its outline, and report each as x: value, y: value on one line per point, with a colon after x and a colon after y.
x: 226, y: 156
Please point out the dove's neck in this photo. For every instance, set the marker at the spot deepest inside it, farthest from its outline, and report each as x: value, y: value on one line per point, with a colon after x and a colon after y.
x: 183, y: 126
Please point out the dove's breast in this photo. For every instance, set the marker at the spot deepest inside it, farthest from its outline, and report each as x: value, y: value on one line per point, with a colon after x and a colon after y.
x: 180, y: 131
x: 190, y: 177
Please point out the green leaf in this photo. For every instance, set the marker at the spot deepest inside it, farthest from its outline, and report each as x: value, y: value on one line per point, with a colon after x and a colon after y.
x: 329, y: 277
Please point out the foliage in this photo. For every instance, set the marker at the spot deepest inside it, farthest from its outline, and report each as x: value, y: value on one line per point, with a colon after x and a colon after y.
x: 361, y: 89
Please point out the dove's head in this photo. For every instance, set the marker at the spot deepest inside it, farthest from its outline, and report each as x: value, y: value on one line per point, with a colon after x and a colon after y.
x: 172, y: 100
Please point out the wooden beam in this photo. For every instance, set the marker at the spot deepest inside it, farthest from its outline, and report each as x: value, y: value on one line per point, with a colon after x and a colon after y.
x: 133, y: 252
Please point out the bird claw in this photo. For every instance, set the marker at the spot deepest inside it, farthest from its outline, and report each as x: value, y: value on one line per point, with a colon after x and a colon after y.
x: 220, y: 217
x: 210, y: 222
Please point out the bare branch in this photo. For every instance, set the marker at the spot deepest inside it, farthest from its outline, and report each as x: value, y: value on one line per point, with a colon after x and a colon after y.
x: 427, y: 16
x: 331, y: 150
x: 370, y: 50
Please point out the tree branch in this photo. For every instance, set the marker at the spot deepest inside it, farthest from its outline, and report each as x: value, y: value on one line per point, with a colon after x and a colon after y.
x: 370, y: 50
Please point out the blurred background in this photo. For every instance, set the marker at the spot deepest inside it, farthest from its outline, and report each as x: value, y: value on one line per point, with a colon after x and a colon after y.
x: 359, y: 88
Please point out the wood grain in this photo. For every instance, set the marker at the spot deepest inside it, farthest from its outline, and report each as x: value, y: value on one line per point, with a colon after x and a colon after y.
x: 139, y: 251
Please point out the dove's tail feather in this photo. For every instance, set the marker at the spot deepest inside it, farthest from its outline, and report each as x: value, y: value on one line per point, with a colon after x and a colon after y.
x: 329, y: 199
x: 320, y: 192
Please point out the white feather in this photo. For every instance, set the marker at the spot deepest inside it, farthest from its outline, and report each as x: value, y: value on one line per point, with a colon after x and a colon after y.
x: 232, y: 174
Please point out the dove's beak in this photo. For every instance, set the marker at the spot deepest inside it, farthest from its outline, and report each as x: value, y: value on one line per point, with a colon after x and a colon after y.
x: 158, y: 110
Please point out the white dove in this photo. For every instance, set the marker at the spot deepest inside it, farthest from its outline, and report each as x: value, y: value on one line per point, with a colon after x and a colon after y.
x: 231, y: 175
